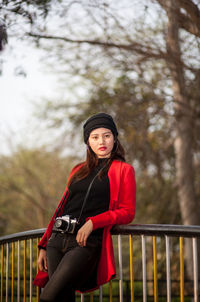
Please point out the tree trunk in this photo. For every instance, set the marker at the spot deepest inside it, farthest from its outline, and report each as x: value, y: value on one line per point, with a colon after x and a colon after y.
x: 183, y: 142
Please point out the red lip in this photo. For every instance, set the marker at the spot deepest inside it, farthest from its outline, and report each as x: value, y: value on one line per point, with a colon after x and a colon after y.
x: 102, y: 148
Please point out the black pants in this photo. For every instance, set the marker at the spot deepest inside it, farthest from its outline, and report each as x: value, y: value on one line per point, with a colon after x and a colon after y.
x: 69, y: 266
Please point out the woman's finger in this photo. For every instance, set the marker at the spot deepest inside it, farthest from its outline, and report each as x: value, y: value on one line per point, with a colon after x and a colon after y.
x: 42, y: 261
x: 84, y: 232
x: 45, y: 263
x: 40, y: 265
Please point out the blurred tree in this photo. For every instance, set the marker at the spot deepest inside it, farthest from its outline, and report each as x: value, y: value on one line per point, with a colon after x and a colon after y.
x: 32, y: 183
x: 179, y: 71
x: 135, y: 44
x: 176, y: 49
x: 150, y: 48
x: 3, y: 36
x: 144, y: 130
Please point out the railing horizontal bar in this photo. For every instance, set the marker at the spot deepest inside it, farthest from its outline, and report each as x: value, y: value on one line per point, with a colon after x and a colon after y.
x: 10, y: 277
x: 131, y: 229
x: 22, y: 236
x: 157, y: 230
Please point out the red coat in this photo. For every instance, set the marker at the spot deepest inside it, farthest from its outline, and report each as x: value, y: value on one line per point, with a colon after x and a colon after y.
x: 121, y: 211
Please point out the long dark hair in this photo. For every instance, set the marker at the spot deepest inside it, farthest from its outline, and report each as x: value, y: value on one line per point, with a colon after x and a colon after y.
x: 91, y: 162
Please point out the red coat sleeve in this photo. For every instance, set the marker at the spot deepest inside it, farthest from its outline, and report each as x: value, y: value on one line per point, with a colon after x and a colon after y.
x: 123, y: 210
x: 47, y: 234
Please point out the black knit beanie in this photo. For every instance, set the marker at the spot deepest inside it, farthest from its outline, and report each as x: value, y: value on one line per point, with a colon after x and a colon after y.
x: 99, y: 120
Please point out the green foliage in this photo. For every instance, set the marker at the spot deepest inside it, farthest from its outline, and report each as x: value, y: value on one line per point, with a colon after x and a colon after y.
x: 126, y: 75
x: 32, y: 183
x: 143, y: 122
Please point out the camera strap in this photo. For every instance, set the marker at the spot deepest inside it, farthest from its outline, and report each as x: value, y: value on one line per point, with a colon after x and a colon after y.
x: 59, y: 208
x: 88, y: 192
x: 85, y: 199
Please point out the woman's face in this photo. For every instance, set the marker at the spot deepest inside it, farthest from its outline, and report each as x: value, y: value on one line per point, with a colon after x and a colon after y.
x: 101, y: 141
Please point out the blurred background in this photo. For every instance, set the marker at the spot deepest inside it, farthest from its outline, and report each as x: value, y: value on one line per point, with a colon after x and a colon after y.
x: 61, y: 61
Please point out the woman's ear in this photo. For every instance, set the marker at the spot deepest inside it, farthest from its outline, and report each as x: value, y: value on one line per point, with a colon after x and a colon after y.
x: 89, y: 148
x: 115, y: 146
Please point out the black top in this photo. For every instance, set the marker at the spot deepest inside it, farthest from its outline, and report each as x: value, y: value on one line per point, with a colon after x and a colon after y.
x: 97, y: 201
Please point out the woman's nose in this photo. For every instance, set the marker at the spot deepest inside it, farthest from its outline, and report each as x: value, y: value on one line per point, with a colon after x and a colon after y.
x: 101, y: 140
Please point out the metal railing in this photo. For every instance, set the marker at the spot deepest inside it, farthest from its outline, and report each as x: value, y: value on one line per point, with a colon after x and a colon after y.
x: 144, y: 252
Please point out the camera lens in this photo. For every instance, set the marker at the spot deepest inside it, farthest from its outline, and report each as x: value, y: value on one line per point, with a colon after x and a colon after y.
x: 61, y: 224
x: 58, y: 223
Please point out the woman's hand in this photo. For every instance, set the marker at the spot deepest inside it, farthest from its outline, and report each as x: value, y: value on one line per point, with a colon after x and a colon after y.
x: 42, y: 260
x: 84, y: 233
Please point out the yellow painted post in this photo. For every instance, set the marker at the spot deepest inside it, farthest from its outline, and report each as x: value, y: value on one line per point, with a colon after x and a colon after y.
x: 18, y: 270
x: 24, y: 270
x: 181, y: 270
x: 91, y: 297
x: 2, y: 262
x: 155, y: 270
x: 131, y: 267
x: 110, y: 290
x: 13, y: 271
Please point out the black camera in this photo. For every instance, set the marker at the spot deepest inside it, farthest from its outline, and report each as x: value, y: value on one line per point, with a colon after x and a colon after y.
x: 65, y: 224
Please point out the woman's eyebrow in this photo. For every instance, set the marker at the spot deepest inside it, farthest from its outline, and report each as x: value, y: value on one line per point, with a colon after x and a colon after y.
x: 107, y: 132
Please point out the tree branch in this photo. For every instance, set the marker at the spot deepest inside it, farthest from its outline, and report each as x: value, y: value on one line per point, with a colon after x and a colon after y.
x: 189, y: 22
x: 143, y: 50
x: 188, y: 25
x: 192, y: 10
x: 15, y: 187
x: 139, y: 48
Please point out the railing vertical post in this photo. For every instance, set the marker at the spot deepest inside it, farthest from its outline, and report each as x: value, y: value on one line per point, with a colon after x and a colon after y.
x: 168, y: 271
x: 31, y: 269
x: 144, y: 269
x: 7, y: 269
x: 13, y: 271
x: 120, y: 269
x: 37, y: 290
x: 11, y: 253
x: 91, y: 297
x: 2, y: 264
x: 131, y: 267
x: 110, y: 290
x: 155, y: 270
x: 195, y: 269
x: 181, y: 270
x: 18, y: 272
x: 25, y: 270
x: 100, y: 294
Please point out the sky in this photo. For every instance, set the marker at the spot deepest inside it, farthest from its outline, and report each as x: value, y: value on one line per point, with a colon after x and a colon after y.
x: 34, y: 83
x: 19, y: 93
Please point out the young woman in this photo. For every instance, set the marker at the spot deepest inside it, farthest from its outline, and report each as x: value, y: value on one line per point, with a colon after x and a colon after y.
x: 76, y: 251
